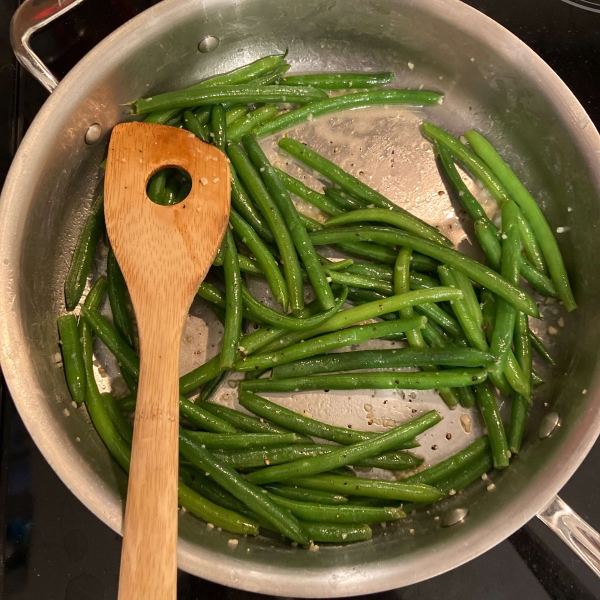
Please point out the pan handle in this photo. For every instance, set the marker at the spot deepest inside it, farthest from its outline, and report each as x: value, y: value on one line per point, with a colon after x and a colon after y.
x: 574, y: 531
x: 30, y: 17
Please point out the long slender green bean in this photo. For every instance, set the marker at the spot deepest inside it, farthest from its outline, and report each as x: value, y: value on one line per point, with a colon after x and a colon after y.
x: 303, y: 424
x: 383, y: 359
x: 200, y: 375
x: 242, y: 74
x: 241, y: 202
x: 246, y: 441
x: 219, y: 94
x: 333, y: 533
x: 243, y: 490
x: 264, y: 258
x: 235, y: 114
x: 520, y: 404
x: 464, y: 477
x: 344, y: 200
x: 474, y: 270
x: 233, y: 309
x: 369, y: 310
x: 341, y: 81
x: 326, y: 106
x: 117, y: 296
x: 371, y: 488
x: 296, y: 187
x: 302, y: 242
x: 425, y: 380
x: 532, y: 213
x: 202, y: 418
x: 360, y: 281
x: 506, y: 313
x: 347, y: 455
x: 539, y: 347
x: 305, y: 495
x: 491, y: 417
x: 251, y: 121
x: 451, y: 465
x: 275, y: 77
x: 331, y: 341
x: 218, y: 121
x: 209, y: 390
x: 124, y: 427
x: 272, y: 214
x: 84, y: 253
x: 257, y: 458
x: 70, y: 344
x: 353, y: 185
x: 268, y: 315
x: 192, y: 124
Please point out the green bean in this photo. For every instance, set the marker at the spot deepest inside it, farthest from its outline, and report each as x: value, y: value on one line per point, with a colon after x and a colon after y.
x: 424, y: 380
x: 275, y: 220
x: 84, y: 253
x: 338, y: 514
x: 381, y: 272
x: 219, y: 127
x: 256, y: 458
x: 296, y: 187
x: 370, y: 310
x: 470, y: 473
x: 251, y: 121
x: 124, y: 427
x: 383, y: 359
x: 117, y: 295
x: 74, y: 366
x: 235, y: 114
x: 237, y: 76
x: 355, y: 186
x: 305, y: 425
x: 274, y: 77
x: 241, y: 202
x: 485, y: 231
x: 491, y: 417
x: 209, y: 390
x: 489, y: 179
x: 233, y: 309
x: 297, y: 231
x: 242, y: 421
x: 532, y: 213
x: 371, y: 488
x: 200, y: 375
x: 268, y: 315
x: 341, y: 81
x: 192, y: 124
x: 201, y: 418
x: 203, y: 114
x: 226, y: 93
x: 531, y: 246
x: 333, y: 533
x: 331, y: 341
x: 125, y: 356
x: 474, y: 270
x: 343, y: 200
x: 451, y: 465
x: 305, y: 495
x: 374, y: 252
x: 520, y: 404
x: 247, y: 265
x: 536, y: 379
x: 506, y: 313
x: 347, y: 455
x: 157, y: 186
x: 213, y: 514
x: 360, y: 281
x: 336, y: 265
x: 240, y: 441
x: 539, y: 347
x: 243, y: 490
x: 320, y: 107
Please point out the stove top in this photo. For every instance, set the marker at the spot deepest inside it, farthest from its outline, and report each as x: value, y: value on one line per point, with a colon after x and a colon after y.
x: 52, y: 547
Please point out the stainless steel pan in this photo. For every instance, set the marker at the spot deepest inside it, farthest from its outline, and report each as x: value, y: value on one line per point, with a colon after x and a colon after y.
x: 491, y: 80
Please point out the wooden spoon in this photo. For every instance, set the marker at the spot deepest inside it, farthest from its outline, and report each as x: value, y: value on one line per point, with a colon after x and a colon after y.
x: 164, y: 253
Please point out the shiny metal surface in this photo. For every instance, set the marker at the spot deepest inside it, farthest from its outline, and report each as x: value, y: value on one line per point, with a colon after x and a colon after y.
x: 30, y: 17
x: 491, y: 81
x: 574, y: 531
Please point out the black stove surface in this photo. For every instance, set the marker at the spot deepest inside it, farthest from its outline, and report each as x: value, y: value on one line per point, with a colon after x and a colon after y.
x: 53, y: 548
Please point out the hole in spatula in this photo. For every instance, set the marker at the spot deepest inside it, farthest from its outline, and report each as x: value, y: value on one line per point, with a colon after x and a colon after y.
x: 169, y: 186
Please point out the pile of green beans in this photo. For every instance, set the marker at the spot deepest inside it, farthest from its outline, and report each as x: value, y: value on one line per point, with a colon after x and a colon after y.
x: 466, y: 324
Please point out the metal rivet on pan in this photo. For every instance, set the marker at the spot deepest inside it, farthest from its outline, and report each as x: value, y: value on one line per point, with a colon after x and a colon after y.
x: 549, y: 423
x: 208, y: 43
x: 454, y: 516
x: 92, y: 135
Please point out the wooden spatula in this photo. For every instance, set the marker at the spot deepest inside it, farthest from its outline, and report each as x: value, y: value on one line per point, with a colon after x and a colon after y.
x: 164, y: 253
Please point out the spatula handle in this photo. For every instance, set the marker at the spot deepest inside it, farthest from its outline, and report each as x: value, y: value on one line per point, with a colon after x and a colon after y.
x: 149, y: 558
